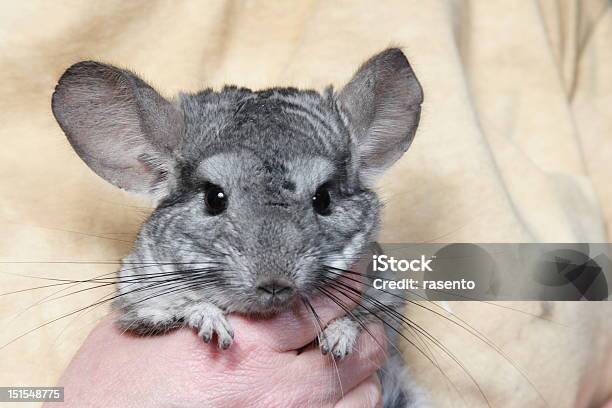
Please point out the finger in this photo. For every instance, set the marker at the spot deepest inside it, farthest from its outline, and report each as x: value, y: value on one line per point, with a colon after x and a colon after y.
x: 295, y: 328
x: 368, y: 394
x: 342, y: 375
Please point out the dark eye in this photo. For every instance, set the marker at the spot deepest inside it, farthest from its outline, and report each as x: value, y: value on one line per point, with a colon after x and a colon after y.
x: 215, y: 199
x: 321, y: 201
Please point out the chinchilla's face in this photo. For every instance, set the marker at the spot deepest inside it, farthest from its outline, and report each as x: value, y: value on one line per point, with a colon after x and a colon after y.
x: 267, y: 190
x: 272, y: 189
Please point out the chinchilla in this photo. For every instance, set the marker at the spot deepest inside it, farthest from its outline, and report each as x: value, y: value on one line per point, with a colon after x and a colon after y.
x: 263, y: 198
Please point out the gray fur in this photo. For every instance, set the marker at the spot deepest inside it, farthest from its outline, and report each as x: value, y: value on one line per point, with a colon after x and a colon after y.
x: 269, y: 150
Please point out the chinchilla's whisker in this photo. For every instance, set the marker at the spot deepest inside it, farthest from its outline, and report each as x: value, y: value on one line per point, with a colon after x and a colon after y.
x: 446, y: 235
x: 398, y: 317
x: 92, y: 305
x: 158, y: 264
x: 53, y: 296
x: 534, y: 315
x: 431, y: 357
x: 106, y: 233
x: 336, y: 300
x: 127, y: 205
x: 51, y: 322
x: 134, y: 266
x: 80, y: 315
x: 188, y: 285
x: 62, y: 262
x: 210, y: 276
x: 344, y: 258
x: 53, y: 285
x: 512, y: 309
x: 199, y: 249
x: 69, y: 283
x: 152, y: 262
x: 471, y: 330
x: 318, y: 340
x: 148, y: 275
x: 349, y: 312
x: 406, y: 323
x: 114, y: 262
x: 63, y: 282
x: 177, y: 288
x: 321, y: 337
x: 461, y: 323
x: 341, y: 273
x: 44, y: 299
x: 100, y: 278
x: 416, y: 336
x: 86, y: 234
x: 140, y: 266
x: 355, y: 295
x: 315, y: 317
x: 128, y: 281
x: 99, y: 302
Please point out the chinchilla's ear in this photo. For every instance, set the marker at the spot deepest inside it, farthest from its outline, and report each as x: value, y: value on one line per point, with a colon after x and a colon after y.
x: 382, y: 105
x: 120, y: 126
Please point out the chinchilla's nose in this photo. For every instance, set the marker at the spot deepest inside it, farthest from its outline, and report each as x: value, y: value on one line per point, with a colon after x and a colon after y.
x: 275, y: 290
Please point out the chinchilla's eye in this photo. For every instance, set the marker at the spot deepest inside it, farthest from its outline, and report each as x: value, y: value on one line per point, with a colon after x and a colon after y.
x: 215, y: 199
x: 321, y: 200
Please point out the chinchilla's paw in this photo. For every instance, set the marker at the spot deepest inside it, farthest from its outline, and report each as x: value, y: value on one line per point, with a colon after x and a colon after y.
x: 339, y: 337
x: 208, y: 319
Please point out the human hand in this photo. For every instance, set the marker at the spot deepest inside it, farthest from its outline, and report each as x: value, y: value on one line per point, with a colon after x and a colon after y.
x: 261, y: 369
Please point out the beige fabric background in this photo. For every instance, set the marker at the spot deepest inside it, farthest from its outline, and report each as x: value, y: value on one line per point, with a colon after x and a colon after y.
x: 515, y: 145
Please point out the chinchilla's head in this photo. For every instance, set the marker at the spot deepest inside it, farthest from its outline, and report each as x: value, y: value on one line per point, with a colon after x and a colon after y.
x: 271, y: 187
